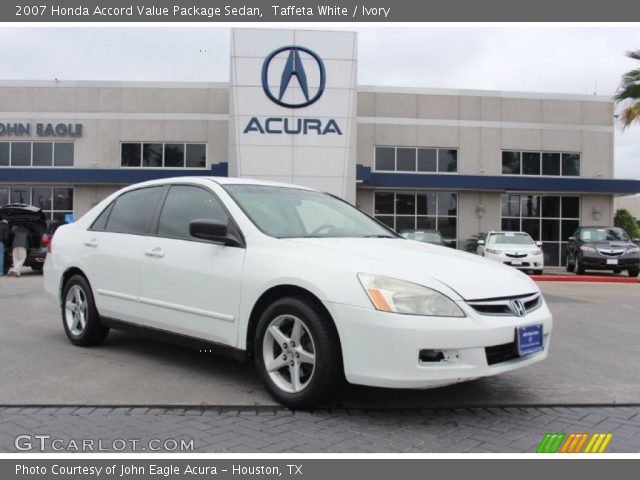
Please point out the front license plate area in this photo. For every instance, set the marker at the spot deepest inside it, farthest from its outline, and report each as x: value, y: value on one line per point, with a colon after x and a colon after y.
x: 529, y: 339
x: 612, y: 261
x: 516, y: 262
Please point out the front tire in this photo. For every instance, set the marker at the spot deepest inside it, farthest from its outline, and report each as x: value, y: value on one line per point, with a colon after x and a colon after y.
x: 634, y: 271
x: 579, y: 267
x: 569, y: 266
x: 79, y: 314
x: 297, y: 353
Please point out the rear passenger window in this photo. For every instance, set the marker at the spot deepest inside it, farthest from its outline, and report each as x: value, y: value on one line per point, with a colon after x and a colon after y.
x: 101, y: 222
x: 185, y: 203
x: 133, y: 211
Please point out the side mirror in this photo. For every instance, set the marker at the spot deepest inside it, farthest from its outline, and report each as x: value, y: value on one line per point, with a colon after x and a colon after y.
x: 212, y: 230
x: 539, y: 244
x: 572, y: 239
x: 480, y: 242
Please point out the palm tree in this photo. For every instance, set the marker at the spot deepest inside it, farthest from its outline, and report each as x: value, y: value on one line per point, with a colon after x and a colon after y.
x: 628, y: 94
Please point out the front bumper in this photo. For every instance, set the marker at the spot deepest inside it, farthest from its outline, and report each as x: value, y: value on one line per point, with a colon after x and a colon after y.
x: 383, y: 349
x: 597, y: 261
x: 528, y: 262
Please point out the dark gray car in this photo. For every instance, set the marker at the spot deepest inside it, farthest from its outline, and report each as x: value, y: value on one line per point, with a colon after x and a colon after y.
x: 602, y: 248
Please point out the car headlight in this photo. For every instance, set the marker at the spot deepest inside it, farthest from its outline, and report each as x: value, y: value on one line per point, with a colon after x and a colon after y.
x: 535, y: 252
x: 397, y: 296
x: 492, y: 250
x: 587, y: 248
x: 633, y: 250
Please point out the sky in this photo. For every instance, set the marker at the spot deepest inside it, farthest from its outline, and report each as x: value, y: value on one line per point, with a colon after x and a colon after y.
x: 559, y: 59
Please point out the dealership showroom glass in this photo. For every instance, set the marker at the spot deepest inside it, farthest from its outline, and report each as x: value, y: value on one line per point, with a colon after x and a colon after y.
x: 459, y: 161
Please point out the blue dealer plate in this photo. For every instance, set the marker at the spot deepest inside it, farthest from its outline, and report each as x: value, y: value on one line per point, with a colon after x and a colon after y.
x: 529, y: 339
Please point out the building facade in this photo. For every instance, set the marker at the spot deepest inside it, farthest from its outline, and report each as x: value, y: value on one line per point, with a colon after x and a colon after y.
x: 462, y: 162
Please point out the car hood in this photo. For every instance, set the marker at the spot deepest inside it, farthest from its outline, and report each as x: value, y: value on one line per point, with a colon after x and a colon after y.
x: 609, y: 244
x: 510, y: 247
x: 22, y: 213
x: 471, y: 276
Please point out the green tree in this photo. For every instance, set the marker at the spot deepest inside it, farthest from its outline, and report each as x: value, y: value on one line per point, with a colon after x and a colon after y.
x: 626, y: 221
x: 628, y: 94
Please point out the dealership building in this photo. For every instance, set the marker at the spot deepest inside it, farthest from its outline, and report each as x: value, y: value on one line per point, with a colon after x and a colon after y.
x: 460, y: 161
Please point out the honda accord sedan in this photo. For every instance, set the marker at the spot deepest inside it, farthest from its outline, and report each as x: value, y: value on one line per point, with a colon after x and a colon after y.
x: 300, y: 282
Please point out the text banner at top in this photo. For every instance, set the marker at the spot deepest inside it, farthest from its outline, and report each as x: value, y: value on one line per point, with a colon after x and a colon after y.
x: 261, y: 11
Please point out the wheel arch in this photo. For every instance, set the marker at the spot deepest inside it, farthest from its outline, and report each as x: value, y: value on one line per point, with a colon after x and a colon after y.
x: 68, y: 273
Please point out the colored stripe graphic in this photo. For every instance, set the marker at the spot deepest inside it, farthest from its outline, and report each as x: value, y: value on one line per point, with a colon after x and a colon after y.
x: 551, y: 442
x: 598, y: 443
x: 556, y: 442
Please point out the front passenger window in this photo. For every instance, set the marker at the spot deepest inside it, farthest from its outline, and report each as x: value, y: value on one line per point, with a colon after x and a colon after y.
x: 184, y: 204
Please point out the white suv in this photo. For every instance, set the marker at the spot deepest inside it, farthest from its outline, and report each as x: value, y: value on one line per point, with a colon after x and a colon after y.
x: 310, y: 288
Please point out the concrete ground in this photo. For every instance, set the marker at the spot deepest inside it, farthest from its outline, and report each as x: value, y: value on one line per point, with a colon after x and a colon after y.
x: 593, y: 360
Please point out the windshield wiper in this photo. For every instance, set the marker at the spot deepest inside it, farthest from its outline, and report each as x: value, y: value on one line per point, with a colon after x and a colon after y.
x: 378, y: 236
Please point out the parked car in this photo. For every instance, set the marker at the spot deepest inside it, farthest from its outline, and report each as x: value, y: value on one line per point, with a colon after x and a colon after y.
x: 602, y: 248
x: 426, y: 236
x: 40, y: 231
x: 516, y: 249
x: 310, y: 288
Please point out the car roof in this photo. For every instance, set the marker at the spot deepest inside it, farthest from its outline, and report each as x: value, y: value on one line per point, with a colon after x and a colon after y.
x: 507, y: 231
x: 222, y: 181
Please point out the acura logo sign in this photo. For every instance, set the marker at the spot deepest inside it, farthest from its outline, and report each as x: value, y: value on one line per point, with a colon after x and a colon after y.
x: 294, y: 67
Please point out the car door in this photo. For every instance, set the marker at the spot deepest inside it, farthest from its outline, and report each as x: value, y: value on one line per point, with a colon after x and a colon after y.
x: 190, y: 286
x: 110, y: 252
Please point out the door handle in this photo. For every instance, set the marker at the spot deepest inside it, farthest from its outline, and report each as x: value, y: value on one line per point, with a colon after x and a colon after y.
x: 156, y: 252
x: 91, y: 243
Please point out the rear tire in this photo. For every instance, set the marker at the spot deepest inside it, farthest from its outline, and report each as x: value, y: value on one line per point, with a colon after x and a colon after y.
x: 537, y: 272
x: 634, y: 271
x: 297, y: 353
x: 79, y: 314
x: 579, y: 267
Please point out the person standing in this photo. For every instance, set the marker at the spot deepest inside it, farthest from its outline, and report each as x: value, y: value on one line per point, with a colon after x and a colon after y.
x: 19, y: 249
x: 4, y: 243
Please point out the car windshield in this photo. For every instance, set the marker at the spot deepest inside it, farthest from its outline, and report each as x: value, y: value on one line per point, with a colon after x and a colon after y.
x: 603, y: 235
x: 509, y: 238
x: 284, y: 212
x: 431, y: 237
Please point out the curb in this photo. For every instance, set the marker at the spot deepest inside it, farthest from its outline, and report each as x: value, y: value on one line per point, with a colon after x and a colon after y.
x: 583, y: 278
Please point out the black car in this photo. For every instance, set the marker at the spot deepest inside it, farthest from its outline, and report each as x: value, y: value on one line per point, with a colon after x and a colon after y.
x: 40, y: 233
x: 426, y: 236
x: 602, y: 248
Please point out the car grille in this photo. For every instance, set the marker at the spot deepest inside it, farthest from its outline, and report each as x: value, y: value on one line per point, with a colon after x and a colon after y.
x: 611, y: 252
x: 516, y: 255
x: 504, y: 306
x: 501, y: 353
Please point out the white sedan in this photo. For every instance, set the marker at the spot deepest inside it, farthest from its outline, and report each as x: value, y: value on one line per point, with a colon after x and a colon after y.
x: 301, y: 282
x: 516, y: 249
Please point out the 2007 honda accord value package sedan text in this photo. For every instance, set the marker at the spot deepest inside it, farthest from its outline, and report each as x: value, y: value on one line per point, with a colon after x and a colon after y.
x: 309, y: 287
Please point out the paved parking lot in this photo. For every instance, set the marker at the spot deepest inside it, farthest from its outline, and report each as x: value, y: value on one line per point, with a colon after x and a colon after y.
x: 593, y: 360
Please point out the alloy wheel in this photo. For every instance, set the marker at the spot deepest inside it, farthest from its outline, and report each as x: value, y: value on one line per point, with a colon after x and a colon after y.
x: 76, y: 310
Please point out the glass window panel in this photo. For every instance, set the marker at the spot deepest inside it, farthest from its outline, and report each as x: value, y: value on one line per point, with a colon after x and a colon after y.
x: 447, y: 160
x: 568, y: 228
x: 63, y: 198
x: 427, y: 160
x: 426, y: 223
x: 383, y: 203
x: 42, y: 198
x: 42, y: 154
x: 530, y: 163
x: 511, y: 224
x: 21, y: 195
x: 21, y: 154
x: 426, y: 203
x: 185, y: 204
x: 385, y: 158
x: 101, y: 222
x: 551, y: 164
x: 59, y: 216
x: 530, y: 206
x: 447, y: 227
x: 551, y: 253
x: 447, y: 204
x: 511, y: 163
x: 131, y: 155
x: 387, y: 220
x: 570, y: 165
x: 571, y: 207
x: 405, y: 223
x: 532, y: 227
x: 152, y: 155
x: 174, y: 155
x: 405, y: 204
x: 196, y: 155
x: 4, y: 154
x: 406, y: 159
x: 133, y: 211
x: 510, y: 205
x: 550, y: 230
x: 63, y: 154
x: 563, y: 253
x: 551, y: 207
x: 4, y: 195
